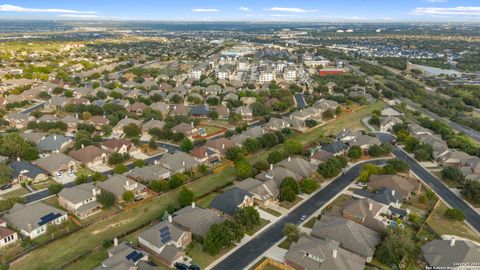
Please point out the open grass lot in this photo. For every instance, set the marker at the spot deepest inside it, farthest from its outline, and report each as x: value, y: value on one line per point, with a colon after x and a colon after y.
x: 15, y: 193
x: 203, y: 259
x: 211, y: 129
x: 271, y: 211
x: 442, y: 225
x: 91, y: 261
x: 207, y: 200
x: 263, y: 223
x: 84, y: 172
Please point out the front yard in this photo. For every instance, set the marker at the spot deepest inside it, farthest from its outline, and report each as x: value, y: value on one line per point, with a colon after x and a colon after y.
x: 203, y: 259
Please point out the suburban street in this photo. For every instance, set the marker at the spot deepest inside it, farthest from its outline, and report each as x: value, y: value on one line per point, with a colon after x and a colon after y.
x: 471, y: 216
x: 246, y: 254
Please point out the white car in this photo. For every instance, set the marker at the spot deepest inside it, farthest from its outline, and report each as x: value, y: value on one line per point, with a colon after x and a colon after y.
x: 70, y: 173
x: 303, y: 217
x: 361, y: 184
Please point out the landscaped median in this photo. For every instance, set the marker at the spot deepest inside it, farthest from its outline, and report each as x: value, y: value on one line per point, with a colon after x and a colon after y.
x: 82, y: 242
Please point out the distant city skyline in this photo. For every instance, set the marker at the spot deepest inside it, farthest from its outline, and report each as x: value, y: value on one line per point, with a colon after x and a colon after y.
x: 247, y: 10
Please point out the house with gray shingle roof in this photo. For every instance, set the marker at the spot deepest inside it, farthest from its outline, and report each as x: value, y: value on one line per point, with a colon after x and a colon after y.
x: 123, y: 257
x: 149, y: 173
x: 25, y: 171
x: 178, y: 162
x: 264, y: 192
x: 232, y: 200
x: 32, y: 220
x: 119, y: 184
x: 450, y: 254
x: 57, y: 163
x: 90, y: 155
x: 53, y: 143
x: 166, y: 241
x: 277, y: 174
x: 351, y: 236
x: 314, y: 253
x: 81, y: 200
x: 299, y: 166
x: 196, y: 219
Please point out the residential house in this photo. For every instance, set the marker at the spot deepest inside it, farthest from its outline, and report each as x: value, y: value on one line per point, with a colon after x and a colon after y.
x: 120, y: 146
x: 336, y: 148
x: 277, y: 174
x: 264, y: 193
x: 189, y: 130
x: 205, y: 155
x: 320, y: 156
x: 98, y: 121
x: 219, y: 145
x: 166, y: 241
x: 364, y: 142
x: 200, y: 111
x: 298, y: 166
x: 367, y: 212
x: 81, y: 200
x: 24, y: 171
x: 347, y: 135
x: 451, y: 254
x: 18, y: 120
x: 277, y: 124
x: 325, y: 105
x: 57, y: 163
x: 53, y: 143
x: 161, y: 107
x: 137, y: 108
x: 118, y: 129
x: 7, y: 236
x: 406, y: 186
x: 313, y: 253
x: 32, y: 220
x: 178, y: 162
x: 119, y: 184
x: 149, y: 173
x: 147, y: 126
x: 387, y: 123
x: 72, y: 123
x: 123, y: 257
x: 196, y: 219
x: 180, y: 109
x: 223, y: 112
x: 351, y: 236
x: 245, y: 112
x: 389, y: 112
x: 90, y: 155
x: 232, y: 200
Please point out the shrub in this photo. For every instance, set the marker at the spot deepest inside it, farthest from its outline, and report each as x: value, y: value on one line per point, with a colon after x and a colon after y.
x: 454, y: 214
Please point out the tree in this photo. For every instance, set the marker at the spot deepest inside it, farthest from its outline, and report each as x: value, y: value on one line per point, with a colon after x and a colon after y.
x: 292, y: 147
x: 233, y: 153
x: 368, y: 170
x: 328, y: 114
x: 131, y: 130
x: 395, y: 245
x: 291, y: 232
x: 274, y: 157
x: 221, y: 235
x: 252, y: 145
x: 6, y: 173
x: 375, y: 151
x: 308, y: 185
x: 55, y: 188
x: 289, y: 188
x: 261, y: 165
x: 332, y: 167
x: 177, y: 180
x: 338, y: 110
x: 247, y: 217
x: 396, y: 166
x: 243, y: 169
x: 423, y: 152
x: 116, y: 158
x: 471, y: 190
x: 454, y: 214
x: 213, y: 115
x: 355, y: 152
x: 128, y: 196
x: 453, y: 174
x: 139, y: 163
x: 152, y: 144
x: 186, y: 145
x: 269, y: 140
x: 185, y: 197
x: 106, y: 199
x: 120, y: 169
x: 15, y: 146
x: 410, y: 144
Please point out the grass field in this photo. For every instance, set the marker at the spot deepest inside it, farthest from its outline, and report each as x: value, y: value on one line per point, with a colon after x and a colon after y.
x: 201, y: 258
x: 15, y: 193
x: 263, y: 223
x: 54, y: 254
x: 271, y: 211
x: 207, y: 200
x: 442, y: 225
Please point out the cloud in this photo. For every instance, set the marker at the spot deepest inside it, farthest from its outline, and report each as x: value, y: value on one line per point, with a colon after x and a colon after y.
x: 205, y: 10
x: 80, y: 16
x: 293, y: 10
x: 437, y: 1
x: 434, y: 11
x: 11, y: 8
x: 244, y: 8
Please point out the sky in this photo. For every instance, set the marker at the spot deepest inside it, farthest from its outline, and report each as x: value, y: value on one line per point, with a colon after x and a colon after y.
x: 245, y: 10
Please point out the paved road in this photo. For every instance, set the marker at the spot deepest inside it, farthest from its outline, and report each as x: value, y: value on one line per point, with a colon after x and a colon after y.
x: 246, y: 254
x: 459, y: 128
x: 33, y: 108
x: 300, y: 101
x: 435, y: 184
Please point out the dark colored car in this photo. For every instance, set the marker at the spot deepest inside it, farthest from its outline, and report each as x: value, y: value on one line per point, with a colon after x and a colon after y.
x: 181, y: 266
x: 6, y: 186
x: 193, y: 267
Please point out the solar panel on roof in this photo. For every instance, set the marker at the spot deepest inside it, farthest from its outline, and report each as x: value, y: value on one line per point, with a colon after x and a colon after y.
x: 166, y: 239
x: 48, y: 218
x: 134, y: 256
x: 164, y: 229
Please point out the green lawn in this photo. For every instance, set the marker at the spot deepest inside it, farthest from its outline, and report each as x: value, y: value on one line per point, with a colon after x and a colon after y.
x: 211, y: 129
x: 15, y: 193
x: 43, y: 184
x: 84, y: 171
x: 201, y: 258
x: 91, y: 261
x: 263, y: 223
x: 309, y: 224
x: 289, y: 205
x: 207, y: 200
x: 285, y: 244
x: 442, y: 225
x: 271, y: 211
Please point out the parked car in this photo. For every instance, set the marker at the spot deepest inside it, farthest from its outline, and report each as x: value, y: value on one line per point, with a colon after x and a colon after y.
x: 193, y: 267
x: 303, y: 217
x: 6, y: 186
x: 181, y: 266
